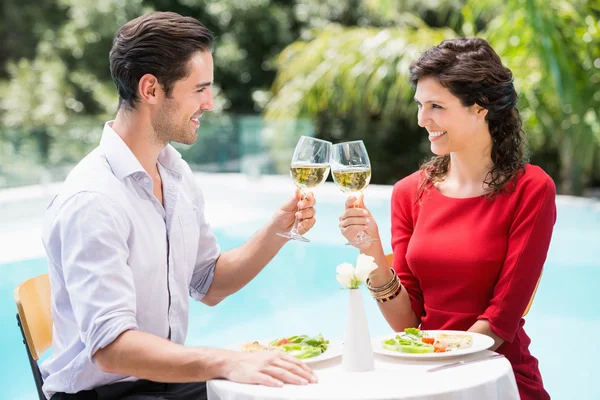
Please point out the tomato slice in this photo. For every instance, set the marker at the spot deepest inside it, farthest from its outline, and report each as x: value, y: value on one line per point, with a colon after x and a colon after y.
x: 283, y: 341
x: 428, y: 340
x: 439, y: 347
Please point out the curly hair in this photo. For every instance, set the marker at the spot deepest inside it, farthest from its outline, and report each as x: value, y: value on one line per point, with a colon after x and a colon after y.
x: 472, y: 71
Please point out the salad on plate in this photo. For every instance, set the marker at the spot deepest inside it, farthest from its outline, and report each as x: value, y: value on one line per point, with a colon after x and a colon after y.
x: 414, y: 340
x: 301, y: 347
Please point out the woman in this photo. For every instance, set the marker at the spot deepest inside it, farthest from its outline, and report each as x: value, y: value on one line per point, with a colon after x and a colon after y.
x: 471, y: 228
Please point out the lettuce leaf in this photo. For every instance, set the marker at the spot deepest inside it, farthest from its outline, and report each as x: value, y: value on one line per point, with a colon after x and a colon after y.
x: 408, y: 342
x: 303, y: 346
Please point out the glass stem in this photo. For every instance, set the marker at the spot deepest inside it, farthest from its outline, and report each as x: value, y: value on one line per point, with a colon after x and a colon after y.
x: 360, y: 236
x: 295, y: 227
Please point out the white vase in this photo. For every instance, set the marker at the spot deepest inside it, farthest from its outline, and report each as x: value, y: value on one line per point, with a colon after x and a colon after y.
x: 358, y: 353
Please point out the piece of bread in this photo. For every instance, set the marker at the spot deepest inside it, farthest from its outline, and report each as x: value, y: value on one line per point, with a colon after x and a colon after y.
x: 256, y: 347
x: 455, y: 341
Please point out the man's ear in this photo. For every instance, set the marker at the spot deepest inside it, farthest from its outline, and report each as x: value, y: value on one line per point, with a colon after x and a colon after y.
x: 149, y: 89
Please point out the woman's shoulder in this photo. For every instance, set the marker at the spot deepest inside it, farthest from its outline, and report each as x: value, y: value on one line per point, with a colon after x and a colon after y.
x: 531, y: 180
x: 407, y: 187
x: 409, y: 184
x: 534, y: 179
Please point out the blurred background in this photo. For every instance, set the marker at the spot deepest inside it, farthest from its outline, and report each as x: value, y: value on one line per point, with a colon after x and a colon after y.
x: 336, y: 69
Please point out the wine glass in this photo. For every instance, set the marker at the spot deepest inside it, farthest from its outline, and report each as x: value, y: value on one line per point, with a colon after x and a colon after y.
x: 309, y: 168
x: 351, y: 170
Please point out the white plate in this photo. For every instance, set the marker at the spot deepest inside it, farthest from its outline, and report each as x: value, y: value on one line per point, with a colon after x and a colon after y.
x: 333, y: 350
x: 480, y: 342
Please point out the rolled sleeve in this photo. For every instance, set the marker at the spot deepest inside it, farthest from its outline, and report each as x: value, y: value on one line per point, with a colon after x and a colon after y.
x: 206, y: 258
x: 92, y: 232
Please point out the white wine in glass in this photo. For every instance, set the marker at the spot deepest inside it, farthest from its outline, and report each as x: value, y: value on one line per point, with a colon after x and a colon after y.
x: 352, y: 180
x: 308, y: 176
x: 309, y: 168
x: 351, y: 170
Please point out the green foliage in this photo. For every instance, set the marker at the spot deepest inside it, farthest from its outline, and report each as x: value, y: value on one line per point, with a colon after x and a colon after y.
x: 358, y: 71
x: 341, y: 63
x: 353, y: 81
x: 558, y: 43
x: 22, y: 24
x: 60, y: 80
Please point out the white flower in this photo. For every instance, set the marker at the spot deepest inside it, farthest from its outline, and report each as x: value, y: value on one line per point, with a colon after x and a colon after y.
x: 364, y: 267
x: 345, y: 274
x: 351, y: 277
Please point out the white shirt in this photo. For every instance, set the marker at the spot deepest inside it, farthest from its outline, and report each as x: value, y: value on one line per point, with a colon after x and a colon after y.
x: 108, y: 240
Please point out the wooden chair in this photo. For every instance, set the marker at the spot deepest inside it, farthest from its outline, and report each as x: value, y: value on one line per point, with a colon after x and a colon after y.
x: 35, y: 321
x: 533, y: 295
x: 389, y: 257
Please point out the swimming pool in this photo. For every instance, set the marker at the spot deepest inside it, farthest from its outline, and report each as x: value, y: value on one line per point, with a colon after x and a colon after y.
x: 298, y: 293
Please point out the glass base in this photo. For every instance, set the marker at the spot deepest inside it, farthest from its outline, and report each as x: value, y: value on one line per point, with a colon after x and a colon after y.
x: 362, y: 237
x: 293, y: 236
x: 365, y: 240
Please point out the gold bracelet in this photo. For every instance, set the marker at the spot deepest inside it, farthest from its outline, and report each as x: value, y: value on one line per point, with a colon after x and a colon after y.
x: 387, y: 292
x: 384, y: 287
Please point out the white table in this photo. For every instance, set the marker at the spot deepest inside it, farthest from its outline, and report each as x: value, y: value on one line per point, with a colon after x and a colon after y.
x: 392, y: 378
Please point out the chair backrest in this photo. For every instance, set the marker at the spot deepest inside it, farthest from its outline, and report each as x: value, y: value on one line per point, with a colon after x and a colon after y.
x: 533, y: 295
x: 33, y: 304
x: 390, y: 257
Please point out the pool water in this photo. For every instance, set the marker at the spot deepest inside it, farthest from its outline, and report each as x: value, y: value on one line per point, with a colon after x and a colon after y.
x: 297, y: 293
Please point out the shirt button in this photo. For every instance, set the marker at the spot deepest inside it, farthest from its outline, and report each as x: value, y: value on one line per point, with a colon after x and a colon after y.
x: 146, y: 181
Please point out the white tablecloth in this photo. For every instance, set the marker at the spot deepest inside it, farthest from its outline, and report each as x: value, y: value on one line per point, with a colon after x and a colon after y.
x: 392, y: 378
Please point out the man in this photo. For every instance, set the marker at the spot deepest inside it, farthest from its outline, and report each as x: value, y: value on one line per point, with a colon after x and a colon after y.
x: 128, y: 243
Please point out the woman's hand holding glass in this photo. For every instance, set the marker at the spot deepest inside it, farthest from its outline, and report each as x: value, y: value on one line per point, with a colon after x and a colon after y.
x: 355, y: 219
x: 351, y: 170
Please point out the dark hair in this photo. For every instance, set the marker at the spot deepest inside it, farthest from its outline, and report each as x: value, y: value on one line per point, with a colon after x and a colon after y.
x: 159, y: 43
x: 472, y: 71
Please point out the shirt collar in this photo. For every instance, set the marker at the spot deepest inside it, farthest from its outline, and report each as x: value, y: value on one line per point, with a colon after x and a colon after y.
x: 169, y: 158
x: 124, y: 163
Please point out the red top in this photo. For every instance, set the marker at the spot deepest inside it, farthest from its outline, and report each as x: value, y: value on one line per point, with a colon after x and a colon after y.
x: 462, y: 260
